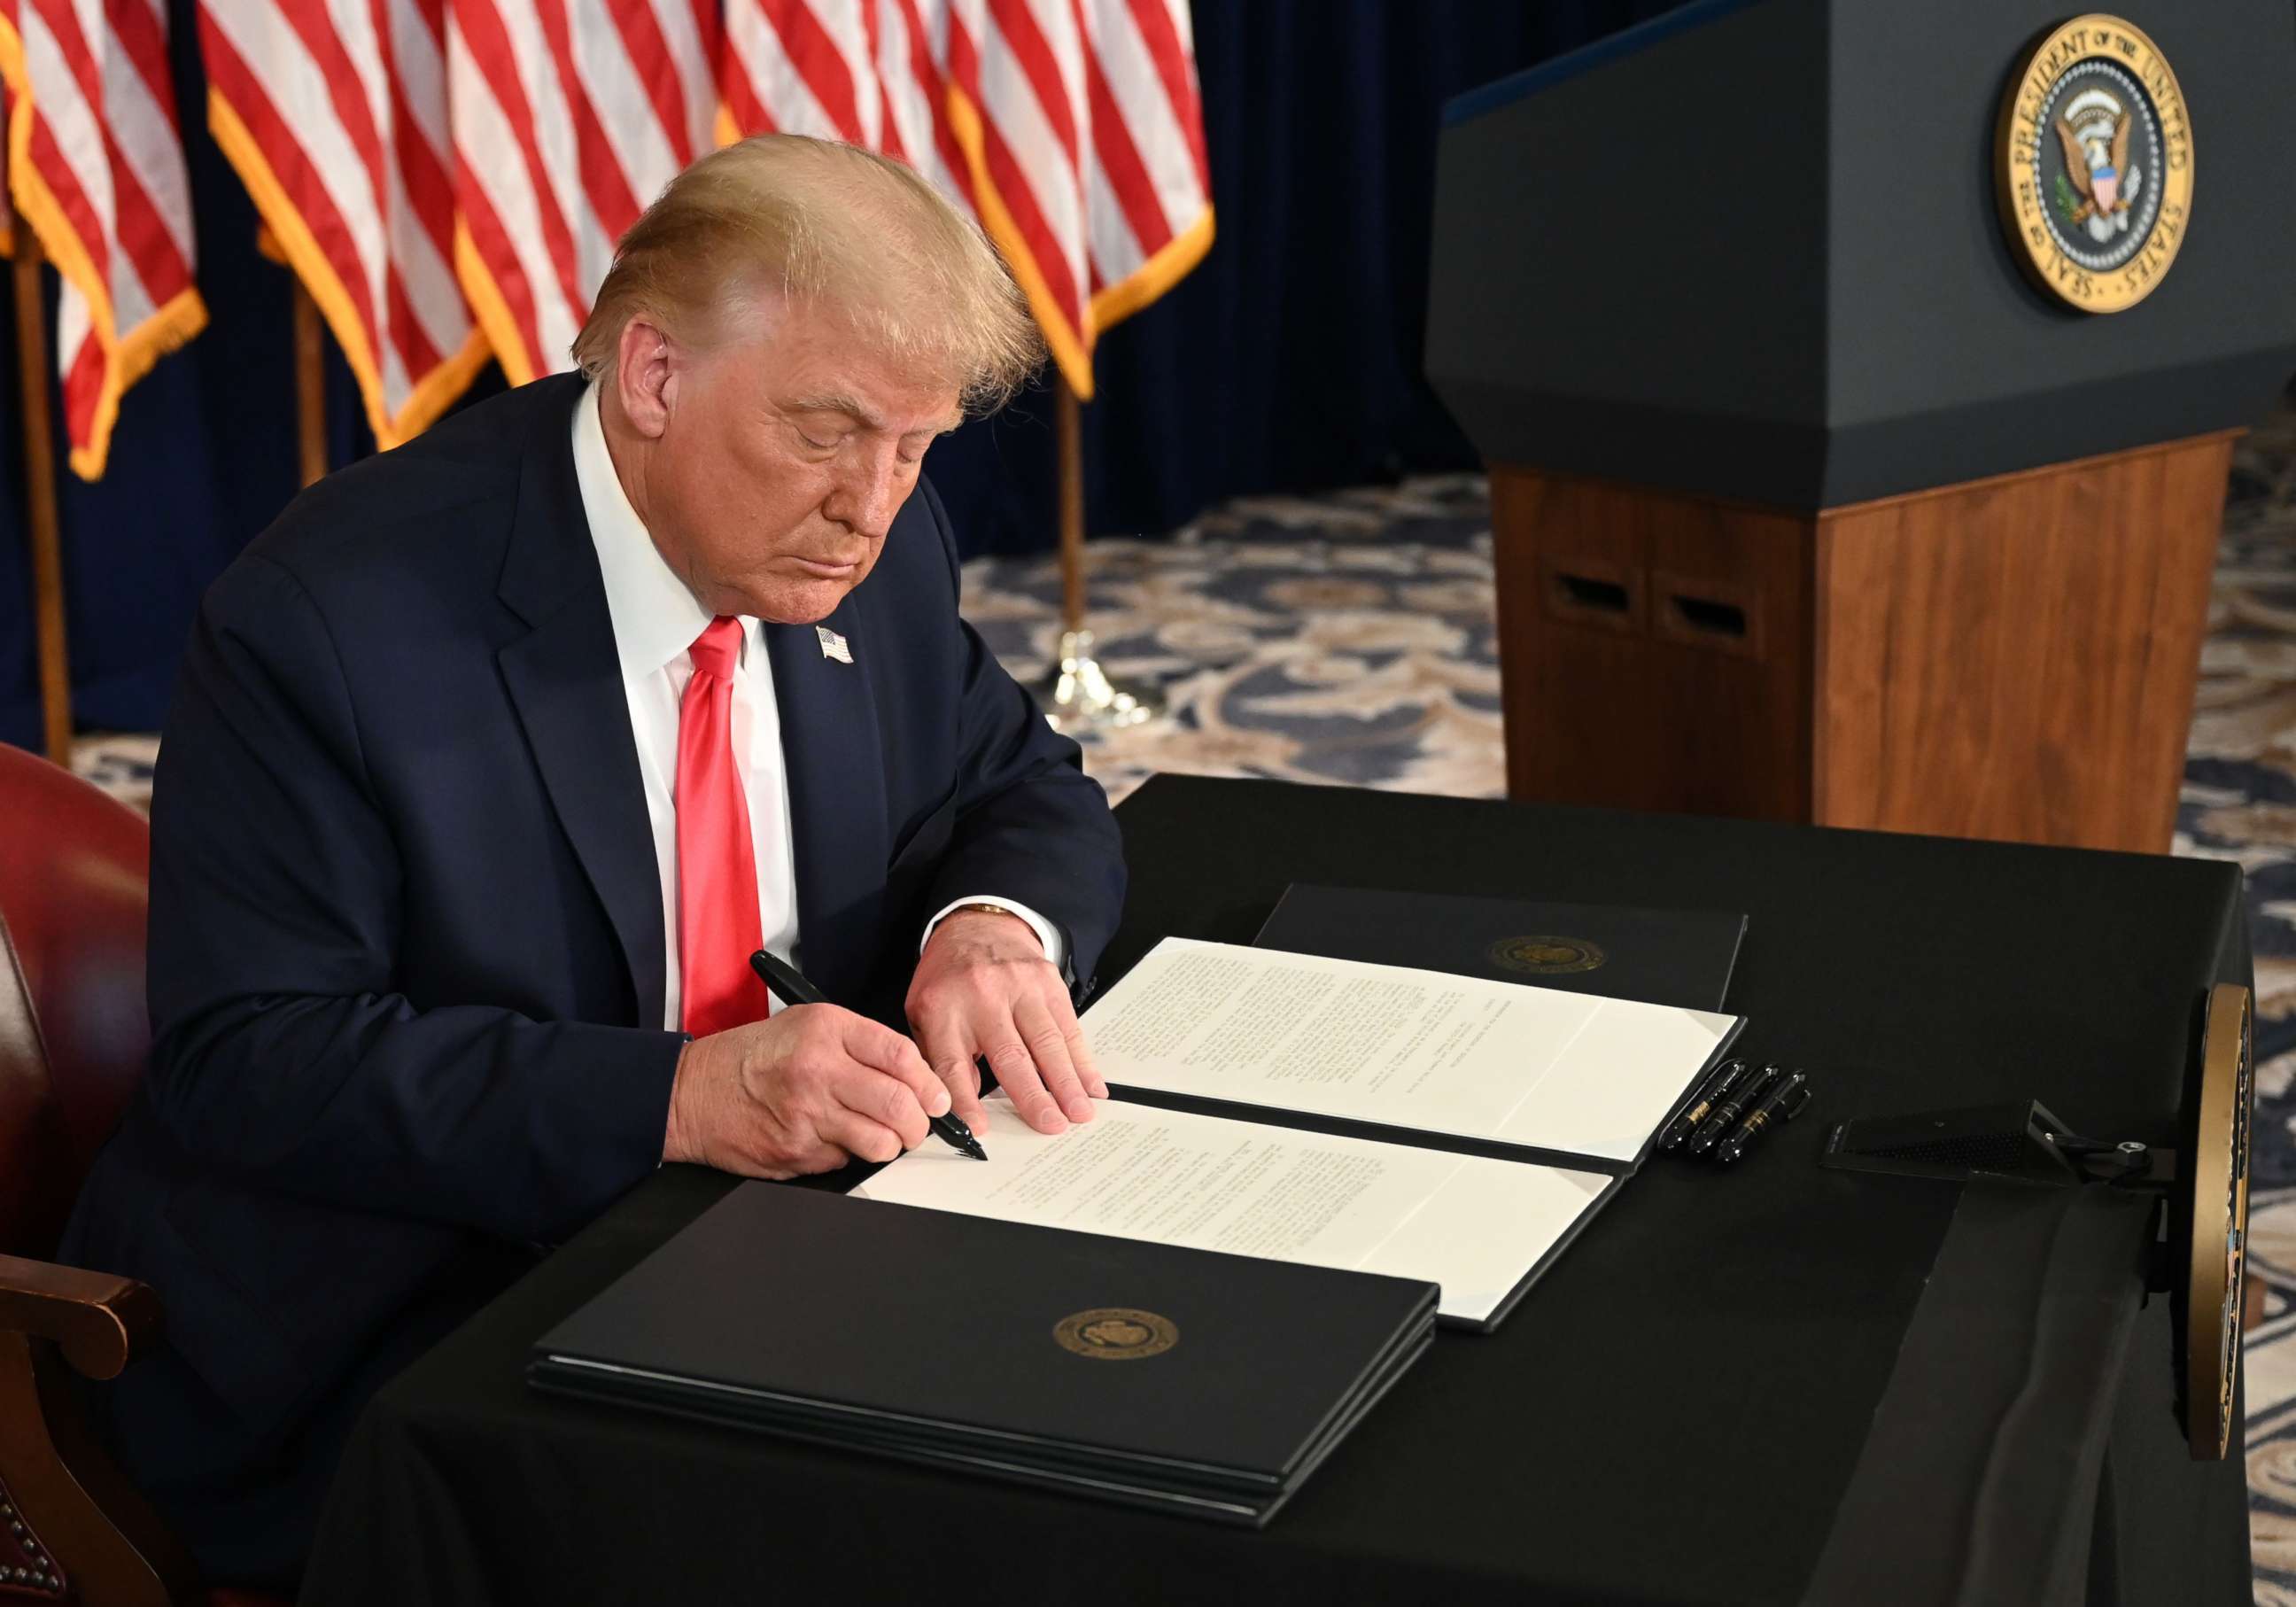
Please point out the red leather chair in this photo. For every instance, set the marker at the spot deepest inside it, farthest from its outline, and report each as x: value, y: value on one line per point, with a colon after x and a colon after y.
x: 73, y: 1037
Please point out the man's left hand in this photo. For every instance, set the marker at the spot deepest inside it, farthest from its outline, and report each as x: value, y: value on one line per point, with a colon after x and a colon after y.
x: 984, y: 987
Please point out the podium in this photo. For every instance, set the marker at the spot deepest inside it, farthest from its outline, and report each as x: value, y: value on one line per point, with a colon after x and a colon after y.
x: 1815, y: 497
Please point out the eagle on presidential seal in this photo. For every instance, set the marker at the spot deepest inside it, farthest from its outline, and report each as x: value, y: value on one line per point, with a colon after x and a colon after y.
x: 2093, y: 129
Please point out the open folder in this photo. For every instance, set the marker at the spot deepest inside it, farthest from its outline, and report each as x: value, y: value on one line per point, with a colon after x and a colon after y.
x: 1344, y: 1114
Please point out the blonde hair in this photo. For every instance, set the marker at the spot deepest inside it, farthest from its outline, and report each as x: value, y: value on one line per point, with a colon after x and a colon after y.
x: 828, y: 225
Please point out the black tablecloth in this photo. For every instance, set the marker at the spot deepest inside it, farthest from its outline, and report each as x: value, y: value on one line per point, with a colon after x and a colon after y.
x: 1781, y: 1384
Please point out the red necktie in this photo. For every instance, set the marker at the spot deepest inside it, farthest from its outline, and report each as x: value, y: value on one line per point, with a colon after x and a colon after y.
x: 718, y: 927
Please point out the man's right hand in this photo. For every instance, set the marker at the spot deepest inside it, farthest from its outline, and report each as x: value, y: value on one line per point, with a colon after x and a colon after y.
x: 799, y: 1092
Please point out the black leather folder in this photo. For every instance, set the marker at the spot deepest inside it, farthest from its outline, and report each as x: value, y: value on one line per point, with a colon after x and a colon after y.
x: 1180, y: 1379
x: 1655, y: 956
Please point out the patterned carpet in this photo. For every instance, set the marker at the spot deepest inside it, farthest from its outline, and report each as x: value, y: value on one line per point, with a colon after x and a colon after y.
x: 1340, y: 638
x: 1349, y: 638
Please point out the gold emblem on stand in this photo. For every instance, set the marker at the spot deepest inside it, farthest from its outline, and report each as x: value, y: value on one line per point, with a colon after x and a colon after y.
x: 2092, y: 164
x: 1547, y: 956
x: 1116, y: 1333
x: 2219, y: 1242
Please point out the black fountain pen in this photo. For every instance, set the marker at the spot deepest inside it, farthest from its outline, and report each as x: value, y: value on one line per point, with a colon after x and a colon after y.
x: 1730, y: 1112
x: 1676, y: 1132
x: 784, y: 980
x: 1782, y: 1105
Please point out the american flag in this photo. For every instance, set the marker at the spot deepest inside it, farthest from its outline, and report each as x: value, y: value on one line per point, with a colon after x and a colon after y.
x: 570, y: 116
x: 334, y: 113
x: 450, y: 177
x: 96, y: 165
x: 1073, y: 128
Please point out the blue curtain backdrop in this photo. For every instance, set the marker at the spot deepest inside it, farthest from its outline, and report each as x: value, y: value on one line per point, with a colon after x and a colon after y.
x: 1290, y: 360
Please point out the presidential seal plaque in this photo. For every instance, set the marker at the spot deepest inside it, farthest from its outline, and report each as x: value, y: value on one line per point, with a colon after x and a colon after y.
x: 2092, y: 164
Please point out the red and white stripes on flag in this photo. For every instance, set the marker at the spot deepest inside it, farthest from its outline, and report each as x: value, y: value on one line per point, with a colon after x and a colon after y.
x: 869, y: 73
x: 449, y: 177
x: 570, y: 116
x: 1073, y: 128
x: 95, y: 166
x: 334, y: 113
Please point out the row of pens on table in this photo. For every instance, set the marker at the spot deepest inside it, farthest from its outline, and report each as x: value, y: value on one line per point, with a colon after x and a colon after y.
x: 1737, y: 1105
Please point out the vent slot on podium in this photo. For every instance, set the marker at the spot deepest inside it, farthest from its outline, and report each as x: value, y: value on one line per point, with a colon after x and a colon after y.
x: 1586, y: 592
x: 1593, y: 589
x: 1713, y: 617
x: 1711, y: 612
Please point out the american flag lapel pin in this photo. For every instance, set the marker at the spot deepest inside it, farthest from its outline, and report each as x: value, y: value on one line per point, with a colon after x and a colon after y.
x: 832, y: 645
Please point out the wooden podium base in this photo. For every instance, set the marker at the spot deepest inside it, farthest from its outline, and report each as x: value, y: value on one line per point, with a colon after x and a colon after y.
x: 2011, y: 658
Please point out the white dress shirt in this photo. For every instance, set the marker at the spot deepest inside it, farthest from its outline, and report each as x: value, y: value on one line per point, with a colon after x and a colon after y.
x: 656, y: 622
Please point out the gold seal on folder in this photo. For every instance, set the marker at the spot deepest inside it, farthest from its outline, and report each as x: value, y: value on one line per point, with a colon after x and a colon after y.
x: 1116, y: 1333
x: 1547, y: 956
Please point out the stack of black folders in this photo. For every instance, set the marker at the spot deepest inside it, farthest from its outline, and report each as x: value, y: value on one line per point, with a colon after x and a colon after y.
x: 1132, y: 1372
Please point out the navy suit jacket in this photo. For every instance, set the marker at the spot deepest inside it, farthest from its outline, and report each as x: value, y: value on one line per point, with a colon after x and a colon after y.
x: 407, y: 964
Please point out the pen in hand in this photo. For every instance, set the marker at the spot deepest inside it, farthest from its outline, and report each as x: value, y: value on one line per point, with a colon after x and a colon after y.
x: 784, y: 980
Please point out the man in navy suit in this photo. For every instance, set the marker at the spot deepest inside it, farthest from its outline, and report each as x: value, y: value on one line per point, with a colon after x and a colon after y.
x: 497, y: 757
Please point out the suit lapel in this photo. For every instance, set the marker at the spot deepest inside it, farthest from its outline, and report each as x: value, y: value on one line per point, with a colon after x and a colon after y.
x: 837, y: 796
x: 566, y: 683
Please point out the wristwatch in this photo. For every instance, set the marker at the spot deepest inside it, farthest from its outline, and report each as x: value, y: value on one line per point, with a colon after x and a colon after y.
x: 992, y: 909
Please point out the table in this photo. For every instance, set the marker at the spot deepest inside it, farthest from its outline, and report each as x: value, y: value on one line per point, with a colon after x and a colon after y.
x: 1778, y: 1384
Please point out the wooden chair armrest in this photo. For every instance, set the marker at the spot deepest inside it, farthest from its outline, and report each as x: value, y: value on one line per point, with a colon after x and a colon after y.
x: 101, y: 1322
x: 81, y: 1532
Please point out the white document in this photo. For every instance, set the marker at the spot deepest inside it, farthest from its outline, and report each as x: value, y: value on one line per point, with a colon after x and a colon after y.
x: 1423, y: 1050
x: 1473, y: 1225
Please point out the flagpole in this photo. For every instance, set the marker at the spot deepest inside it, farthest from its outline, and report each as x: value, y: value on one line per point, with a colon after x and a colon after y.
x: 1076, y: 694
x: 40, y: 497
x: 1068, y: 428
x: 310, y: 389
